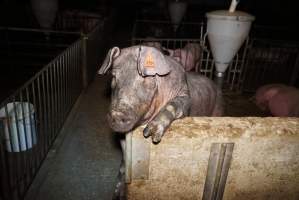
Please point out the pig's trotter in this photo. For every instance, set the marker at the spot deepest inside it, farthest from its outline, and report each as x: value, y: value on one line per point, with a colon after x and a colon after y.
x: 154, y: 129
x: 174, y: 109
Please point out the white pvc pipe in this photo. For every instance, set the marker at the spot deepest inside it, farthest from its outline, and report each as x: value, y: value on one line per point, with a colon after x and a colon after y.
x: 233, y: 5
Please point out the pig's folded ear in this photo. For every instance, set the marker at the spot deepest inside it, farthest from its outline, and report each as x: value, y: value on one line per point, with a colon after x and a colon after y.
x: 151, y: 61
x: 112, y: 54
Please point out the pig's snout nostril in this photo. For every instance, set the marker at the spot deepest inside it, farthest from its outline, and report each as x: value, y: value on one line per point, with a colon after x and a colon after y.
x: 120, y: 117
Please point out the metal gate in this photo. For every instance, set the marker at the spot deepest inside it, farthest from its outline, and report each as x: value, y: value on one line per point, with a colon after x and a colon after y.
x: 270, y: 61
x: 31, y: 118
x: 191, y: 33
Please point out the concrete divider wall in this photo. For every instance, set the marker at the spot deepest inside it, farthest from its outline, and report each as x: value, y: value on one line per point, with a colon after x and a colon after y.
x: 264, y: 160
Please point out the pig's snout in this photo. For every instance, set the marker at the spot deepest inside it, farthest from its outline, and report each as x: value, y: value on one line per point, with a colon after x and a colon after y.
x: 121, y: 121
x: 121, y: 118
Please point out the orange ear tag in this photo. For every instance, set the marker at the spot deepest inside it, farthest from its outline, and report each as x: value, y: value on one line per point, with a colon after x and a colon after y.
x: 149, y: 61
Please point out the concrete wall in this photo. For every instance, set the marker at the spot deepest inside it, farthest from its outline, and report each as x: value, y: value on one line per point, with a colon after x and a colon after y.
x: 264, y: 160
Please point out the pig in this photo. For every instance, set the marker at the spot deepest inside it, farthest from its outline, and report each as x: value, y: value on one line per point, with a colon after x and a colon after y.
x: 157, y: 45
x: 278, y: 99
x: 151, y: 88
x: 189, y: 56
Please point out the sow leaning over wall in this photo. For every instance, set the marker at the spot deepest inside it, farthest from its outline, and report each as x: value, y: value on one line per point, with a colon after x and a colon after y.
x: 151, y: 88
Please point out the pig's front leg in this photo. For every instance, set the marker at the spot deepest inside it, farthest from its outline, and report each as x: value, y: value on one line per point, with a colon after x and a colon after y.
x: 120, y: 188
x: 174, y: 109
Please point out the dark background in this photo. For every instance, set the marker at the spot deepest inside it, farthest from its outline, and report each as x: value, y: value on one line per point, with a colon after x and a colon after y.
x: 282, y: 13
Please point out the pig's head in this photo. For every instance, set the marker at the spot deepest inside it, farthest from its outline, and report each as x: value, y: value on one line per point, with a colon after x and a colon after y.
x: 134, y: 84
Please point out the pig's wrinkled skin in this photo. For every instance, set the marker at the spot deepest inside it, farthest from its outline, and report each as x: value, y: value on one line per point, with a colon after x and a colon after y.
x: 278, y: 99
x: 189, y: 56
x: 151, y: 88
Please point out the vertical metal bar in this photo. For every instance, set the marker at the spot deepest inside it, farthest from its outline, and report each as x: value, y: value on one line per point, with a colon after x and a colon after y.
x: 40, y: 119
x: 201, y: 32
x: 84, y: 61
x: 8, y: 123
x: 73, y: 73
x: 66, y: 84
x: 55, y: 101
x: 14, y: 162
x: 61, y: 97
x: 64, y: 87
x: 29, y: 123
x: 51, y: 102
x: 218, y: 167
x: 44, y: 107
x: 234, y: 71
x: 16, y: 117
x: 207, y: 64
x: 48, y: 115
x: 79, y: 72
x: 22, y: 119
x: 69, y: 88
x: 19, y: 162
x: 242, y: 66
x: 26, y: 161
x: 5, y: 179
x: 35, y: 129
x: 48, y: 104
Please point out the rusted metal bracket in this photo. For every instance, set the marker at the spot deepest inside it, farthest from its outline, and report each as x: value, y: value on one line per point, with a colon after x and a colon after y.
x: 218, y: 167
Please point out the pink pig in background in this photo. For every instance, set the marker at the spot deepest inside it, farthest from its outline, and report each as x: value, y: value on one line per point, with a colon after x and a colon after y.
x: 280, y: 100
x: 189, y: 56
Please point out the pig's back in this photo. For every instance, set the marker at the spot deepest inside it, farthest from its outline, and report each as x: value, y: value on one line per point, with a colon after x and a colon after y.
x: 206, y: 98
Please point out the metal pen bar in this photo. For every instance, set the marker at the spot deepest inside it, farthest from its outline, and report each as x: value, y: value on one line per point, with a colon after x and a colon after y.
x: 40, y: 119
x: 60, y: 83
x: 69, y: 84
x: 26, y: 162
x: 55, y: 98
x: 45, y: 131
x: 73, y: 73
x: 48, y: 104
x: 51, y: 94
x: 12, y: 161
x: 38, y: 30
x: 5, y: 175
x: 18, y: 157
x: 64, y: 86
x: 33, y: 123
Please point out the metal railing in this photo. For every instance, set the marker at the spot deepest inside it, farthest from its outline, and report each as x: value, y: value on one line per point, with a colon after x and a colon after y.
x: 270, y: 61
x: 258, y: 61
x: 31, y: 118
x: 24, y: 52
x: 206, y: 64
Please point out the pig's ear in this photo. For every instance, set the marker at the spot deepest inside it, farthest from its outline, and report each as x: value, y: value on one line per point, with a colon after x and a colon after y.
x: 112, y: 54
x: 151, y: 61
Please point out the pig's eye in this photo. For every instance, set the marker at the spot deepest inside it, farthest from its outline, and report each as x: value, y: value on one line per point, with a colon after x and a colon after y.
x: 113, y: 83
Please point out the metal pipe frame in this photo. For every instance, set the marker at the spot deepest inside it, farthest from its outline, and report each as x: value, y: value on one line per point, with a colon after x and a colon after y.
x: 31, y: 118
